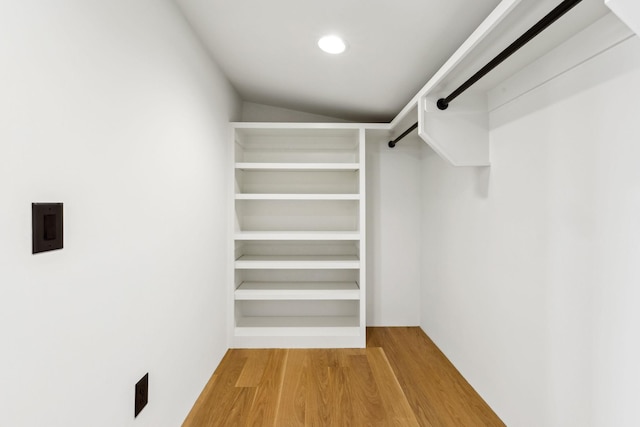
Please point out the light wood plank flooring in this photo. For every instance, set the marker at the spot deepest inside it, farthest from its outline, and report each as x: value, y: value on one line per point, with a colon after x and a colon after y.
x: 400, y: 379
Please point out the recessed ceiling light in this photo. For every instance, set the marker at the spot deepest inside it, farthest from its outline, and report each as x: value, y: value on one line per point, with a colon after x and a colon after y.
x: 332, y: 44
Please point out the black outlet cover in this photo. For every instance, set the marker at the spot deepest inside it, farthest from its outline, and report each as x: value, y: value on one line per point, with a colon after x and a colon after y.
x: 142, y: 394
x: 46, y: 226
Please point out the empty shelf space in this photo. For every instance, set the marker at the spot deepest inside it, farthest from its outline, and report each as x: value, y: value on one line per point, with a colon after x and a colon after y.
x: 298, y: 326
x: 296, y: 181
x: 297, y: 291
x: 297, y: 146
x: 297, y: 235
x: 297, y: 262
x: 298, y: 212
x: 298, y: 167
x: 299, y: 276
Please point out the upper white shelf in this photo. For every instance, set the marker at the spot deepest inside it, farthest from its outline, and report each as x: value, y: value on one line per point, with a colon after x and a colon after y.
x: 244, y: 196
x: 260, y: 262
x: 296, y: 167
x: 297, y: 235
x: 287, y: 144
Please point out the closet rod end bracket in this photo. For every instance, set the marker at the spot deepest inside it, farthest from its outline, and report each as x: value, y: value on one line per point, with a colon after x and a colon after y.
x: 442, y: 104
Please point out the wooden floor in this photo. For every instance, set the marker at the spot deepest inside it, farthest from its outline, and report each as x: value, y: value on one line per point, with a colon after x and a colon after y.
x: 400, y: 379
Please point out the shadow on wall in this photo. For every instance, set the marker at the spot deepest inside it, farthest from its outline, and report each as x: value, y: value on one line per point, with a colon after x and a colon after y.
x: 563, y: 87
x: 477, y: 177
x: 482, y: 180
x: 393, y: 220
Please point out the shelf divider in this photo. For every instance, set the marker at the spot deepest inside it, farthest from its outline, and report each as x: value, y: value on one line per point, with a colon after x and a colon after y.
x: 301, y: 262
x: 281, y: 291
x: 296, y: 196
x: 295, y: 167
x: 297, y: 235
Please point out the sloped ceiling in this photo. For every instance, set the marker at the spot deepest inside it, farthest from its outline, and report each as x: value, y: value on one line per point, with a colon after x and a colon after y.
x: 268, y: 49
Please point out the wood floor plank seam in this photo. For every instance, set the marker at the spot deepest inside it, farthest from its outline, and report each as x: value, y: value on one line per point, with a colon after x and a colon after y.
x: 392, y: 381
x: 280, y: 387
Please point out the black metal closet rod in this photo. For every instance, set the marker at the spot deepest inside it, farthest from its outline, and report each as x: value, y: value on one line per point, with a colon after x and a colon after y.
x: 405, y: 133
x: 532, y: 32
x: 529, y: 35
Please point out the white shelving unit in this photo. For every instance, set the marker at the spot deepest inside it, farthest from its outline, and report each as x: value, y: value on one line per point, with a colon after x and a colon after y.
x: 298, y: 241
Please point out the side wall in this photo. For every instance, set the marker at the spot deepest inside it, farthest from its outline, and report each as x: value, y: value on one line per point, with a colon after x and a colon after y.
x: 393, y: 231
x: 113, y: 108
x: 530, y: 268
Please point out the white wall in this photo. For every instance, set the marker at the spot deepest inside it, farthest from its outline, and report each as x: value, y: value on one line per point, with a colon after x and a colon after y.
x: 253, y: 112
x: 393, y: 231
x: 530, y: 268
x: 113, y: 108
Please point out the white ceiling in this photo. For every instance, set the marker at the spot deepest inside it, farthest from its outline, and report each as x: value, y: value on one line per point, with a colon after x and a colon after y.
x: 268, y: 50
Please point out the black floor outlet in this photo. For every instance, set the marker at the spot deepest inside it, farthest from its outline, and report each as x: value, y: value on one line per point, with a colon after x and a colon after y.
x: 142, y: 393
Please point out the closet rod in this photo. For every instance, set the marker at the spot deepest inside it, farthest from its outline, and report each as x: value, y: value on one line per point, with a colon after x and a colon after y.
x: 405, y: 133
x: 532, y: 32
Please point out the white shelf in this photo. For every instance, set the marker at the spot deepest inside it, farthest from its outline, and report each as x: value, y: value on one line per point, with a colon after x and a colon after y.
x: 298, y: 326
x: 296, y: 167
x: 255, y: 196
x: 317, y: 262
x: 297, y: 235
x: 297, y: 291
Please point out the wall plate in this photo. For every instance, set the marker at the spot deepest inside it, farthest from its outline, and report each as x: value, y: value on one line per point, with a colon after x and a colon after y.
x: 141, y: 394
x: 47, y: 229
